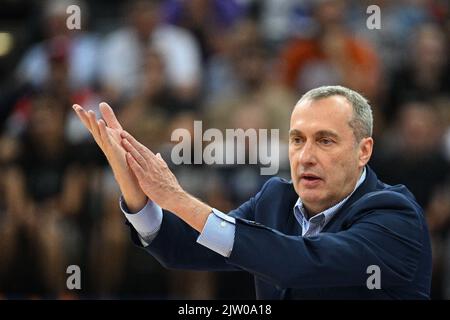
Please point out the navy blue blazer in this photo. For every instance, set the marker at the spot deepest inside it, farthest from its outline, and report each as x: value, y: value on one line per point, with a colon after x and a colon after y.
x: 379, y: 225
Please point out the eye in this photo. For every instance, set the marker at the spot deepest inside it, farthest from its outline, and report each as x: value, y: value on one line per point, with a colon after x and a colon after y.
x: 326, y: 141
x: 296, y: 140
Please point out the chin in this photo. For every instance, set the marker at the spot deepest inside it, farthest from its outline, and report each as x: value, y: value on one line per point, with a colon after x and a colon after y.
x: 311, y: 196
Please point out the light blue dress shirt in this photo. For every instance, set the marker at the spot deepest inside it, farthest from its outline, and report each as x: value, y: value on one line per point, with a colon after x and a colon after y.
x: 218, y: 232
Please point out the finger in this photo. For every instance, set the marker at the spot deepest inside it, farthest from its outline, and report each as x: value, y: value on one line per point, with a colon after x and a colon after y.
x: 103, y: 132
x: 158, y: 156
x: 135, y: 167
x: 81, y: 113
x: 93, y: 123
x: 109, y: 116
x: 136, y: 155
x: 143, y: 150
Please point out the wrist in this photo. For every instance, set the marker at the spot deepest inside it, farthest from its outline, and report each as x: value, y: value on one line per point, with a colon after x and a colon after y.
x: 190, y: 209
x: 177, y: 201
x: 135, y: 203
x: 133, y: 196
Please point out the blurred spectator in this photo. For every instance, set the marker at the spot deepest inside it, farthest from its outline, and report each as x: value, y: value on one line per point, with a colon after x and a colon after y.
x: 331, y: 56
x: 205, y: 19
x: 413, y: 155
x: 222, y: 73
x: 11, y: 212
x: 154, y: 104
x: 106, y: 275
x: 426, y: 73
x: 49, y: 188
x: 280, y: 20
x: 58, y: 84
x: 415, y: 145
x: 242, y: 75
x: 123, y: 53
x: 399, y: 19
x: 244, y: 92
x: 81, y: 47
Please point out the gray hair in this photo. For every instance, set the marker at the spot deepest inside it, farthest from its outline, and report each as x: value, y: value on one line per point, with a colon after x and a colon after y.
x: 362, y: 120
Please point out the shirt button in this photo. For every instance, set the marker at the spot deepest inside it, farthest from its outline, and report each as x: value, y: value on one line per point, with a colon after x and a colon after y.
x: 223, y: 224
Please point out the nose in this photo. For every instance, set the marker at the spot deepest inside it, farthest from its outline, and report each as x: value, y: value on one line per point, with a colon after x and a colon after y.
x: 307, y: 155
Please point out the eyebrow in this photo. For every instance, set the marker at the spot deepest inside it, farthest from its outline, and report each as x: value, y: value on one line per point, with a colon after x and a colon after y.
x: 321, y: 133
x: 327, y: 133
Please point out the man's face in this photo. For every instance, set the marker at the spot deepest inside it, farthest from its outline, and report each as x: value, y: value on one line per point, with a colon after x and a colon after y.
x: 324, y: 157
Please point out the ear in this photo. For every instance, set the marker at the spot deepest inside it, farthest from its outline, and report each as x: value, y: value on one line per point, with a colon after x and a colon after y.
x: 365, y: 151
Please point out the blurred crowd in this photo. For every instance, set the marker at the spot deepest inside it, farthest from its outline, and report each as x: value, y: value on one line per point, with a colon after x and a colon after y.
x: 161, y: 64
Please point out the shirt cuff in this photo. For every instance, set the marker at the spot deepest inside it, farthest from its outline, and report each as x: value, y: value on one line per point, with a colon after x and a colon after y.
x: 218, y: 233
x: 147, y: 222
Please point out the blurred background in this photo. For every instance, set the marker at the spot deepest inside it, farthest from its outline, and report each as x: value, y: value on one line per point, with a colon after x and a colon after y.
x: 163, y: 64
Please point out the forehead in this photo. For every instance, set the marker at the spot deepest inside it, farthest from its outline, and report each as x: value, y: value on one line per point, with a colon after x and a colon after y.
x: 333, y: 112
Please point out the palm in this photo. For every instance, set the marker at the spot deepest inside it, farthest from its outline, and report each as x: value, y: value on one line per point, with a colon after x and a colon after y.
x: 107, y: 134
x: 115, y: 154
x: 113, y: 149
x: 112, y: 145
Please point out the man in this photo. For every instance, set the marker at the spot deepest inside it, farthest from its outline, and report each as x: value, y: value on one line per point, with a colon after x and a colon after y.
x: 334, y: 232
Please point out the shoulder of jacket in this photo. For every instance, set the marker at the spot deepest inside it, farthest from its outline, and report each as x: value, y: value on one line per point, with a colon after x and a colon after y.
x: 276, y: 183
x: 396, y: 200
x: 394, y: 197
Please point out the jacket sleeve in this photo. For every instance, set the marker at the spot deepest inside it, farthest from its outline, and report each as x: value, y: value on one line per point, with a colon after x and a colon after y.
x: 176, y: 247
x: 391, y: 238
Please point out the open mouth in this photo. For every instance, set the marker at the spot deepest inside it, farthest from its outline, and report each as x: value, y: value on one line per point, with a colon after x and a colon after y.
x: 309, y: 176
x: 309, y: 179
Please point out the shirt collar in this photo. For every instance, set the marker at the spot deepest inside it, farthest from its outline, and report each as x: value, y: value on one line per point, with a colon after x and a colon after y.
x: 326, y: 215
